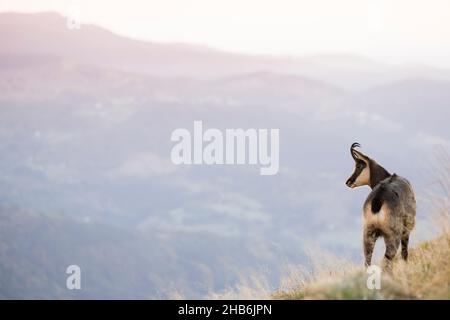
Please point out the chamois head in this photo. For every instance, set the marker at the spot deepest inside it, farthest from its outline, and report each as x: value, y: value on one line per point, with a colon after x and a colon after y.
x: 367, y: 171
x: 361, y: 174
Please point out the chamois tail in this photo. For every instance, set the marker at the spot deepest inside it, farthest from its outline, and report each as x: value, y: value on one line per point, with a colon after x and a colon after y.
x: 378, y: 199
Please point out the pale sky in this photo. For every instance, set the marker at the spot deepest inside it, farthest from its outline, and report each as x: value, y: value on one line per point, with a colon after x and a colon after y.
x: 400, y: 31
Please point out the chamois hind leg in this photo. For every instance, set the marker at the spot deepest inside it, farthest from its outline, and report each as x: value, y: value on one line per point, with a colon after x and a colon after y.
x: 405, y: 241
x: 408, y: 225
x: 370, y: 237
x: 392, y: 242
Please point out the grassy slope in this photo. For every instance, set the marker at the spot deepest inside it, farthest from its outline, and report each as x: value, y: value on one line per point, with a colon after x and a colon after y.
x: 426, y: 275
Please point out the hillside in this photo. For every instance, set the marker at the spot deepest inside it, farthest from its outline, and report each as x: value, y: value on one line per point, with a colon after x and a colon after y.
x: 116, y: 263
x: 425, y: 276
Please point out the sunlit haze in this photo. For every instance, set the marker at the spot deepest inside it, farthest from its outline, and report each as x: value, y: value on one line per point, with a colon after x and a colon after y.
x: 401, y: 31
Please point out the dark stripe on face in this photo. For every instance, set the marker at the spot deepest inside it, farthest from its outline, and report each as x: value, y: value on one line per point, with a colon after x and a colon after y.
x: 359, y: 167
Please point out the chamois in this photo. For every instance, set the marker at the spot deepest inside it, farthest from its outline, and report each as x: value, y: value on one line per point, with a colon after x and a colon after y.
x: 389, y: 210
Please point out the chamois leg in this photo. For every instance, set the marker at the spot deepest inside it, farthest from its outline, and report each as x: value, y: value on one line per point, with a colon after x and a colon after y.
x: 405, y: 241
x: 392, y: 244
x: 408, y: 225
x: 370, y: 237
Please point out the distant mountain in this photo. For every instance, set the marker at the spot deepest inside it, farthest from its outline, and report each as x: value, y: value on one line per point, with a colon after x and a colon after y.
x: 116, y: 263
x: 57, y: 79
x: 44, y: 36
x: 416, y: 102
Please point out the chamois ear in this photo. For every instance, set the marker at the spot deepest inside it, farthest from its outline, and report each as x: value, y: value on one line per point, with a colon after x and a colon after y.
x: 358, y: 155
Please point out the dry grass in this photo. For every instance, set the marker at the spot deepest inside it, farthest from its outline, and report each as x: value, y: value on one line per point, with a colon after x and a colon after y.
x: 321, y: 265
x: 426, y: 275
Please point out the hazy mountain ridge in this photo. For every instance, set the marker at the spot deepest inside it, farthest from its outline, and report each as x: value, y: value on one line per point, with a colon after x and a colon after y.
x: 26, y: 33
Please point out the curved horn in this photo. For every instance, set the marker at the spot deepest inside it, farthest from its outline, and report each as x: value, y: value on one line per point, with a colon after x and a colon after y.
x: 353, y: 151
x: 358, y: 154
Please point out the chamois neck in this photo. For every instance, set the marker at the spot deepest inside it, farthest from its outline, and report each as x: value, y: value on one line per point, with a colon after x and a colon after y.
x: 377, y: 174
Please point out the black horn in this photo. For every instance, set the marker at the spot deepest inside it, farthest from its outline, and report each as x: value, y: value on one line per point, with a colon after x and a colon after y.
x: 352, y: 151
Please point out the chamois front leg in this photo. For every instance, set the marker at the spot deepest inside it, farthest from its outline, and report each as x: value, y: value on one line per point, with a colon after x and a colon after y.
x: 370, y: 237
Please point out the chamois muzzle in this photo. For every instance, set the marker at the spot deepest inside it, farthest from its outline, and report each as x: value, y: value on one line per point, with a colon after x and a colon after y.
x: 349, y: 183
